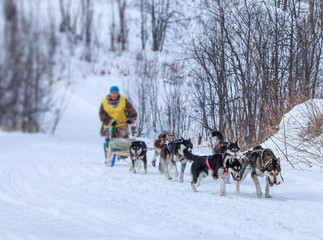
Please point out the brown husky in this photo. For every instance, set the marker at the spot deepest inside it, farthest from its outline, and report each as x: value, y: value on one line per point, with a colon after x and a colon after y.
x: 260, y: 162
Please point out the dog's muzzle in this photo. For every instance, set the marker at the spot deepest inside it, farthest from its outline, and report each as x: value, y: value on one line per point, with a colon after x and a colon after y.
x: 273, y: 183
x: 235, y: 178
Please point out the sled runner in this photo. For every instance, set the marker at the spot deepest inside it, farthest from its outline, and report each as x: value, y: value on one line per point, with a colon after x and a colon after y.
x: 117, y: 148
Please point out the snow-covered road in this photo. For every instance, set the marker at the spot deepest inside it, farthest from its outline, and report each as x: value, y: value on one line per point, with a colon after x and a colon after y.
x: 58, y: 188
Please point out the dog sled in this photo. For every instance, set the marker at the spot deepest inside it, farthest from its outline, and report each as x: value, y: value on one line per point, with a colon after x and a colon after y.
x: 117, y: 148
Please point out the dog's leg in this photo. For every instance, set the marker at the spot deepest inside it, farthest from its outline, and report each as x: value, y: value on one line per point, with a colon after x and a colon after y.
x: 166, y: 163
x: 201, y: 175
x: 227, y: 179
x: 132, y: 167
x: 160, y: 166
x: 195, y: 177
x: 243, y: 175
x: 193, y: 186
x: 139, y: 164
x: 175, y: 168
x: 222, y: 186
x: 153, y: 161
x: 267, y: 194
x: 255, y: 180
x: 155, y: 155
x: 238, y: 186
x: 183, y: 166
x: 145, y: 163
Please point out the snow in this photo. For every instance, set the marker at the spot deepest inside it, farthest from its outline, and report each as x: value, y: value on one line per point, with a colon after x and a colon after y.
x: 57, y: 187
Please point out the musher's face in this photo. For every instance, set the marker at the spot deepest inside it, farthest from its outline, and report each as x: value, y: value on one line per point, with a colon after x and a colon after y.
x: 114, y: 95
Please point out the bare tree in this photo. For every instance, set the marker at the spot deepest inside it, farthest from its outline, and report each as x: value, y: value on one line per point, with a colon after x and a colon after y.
x: 65, y: 7
x: 258, y: 67
x: 143, y: 93
x: 143, y: 20
x: 87, y: 28
x: 26, y: 71
x: 161, y: 17
x: 123, y: 30
x: 112, y: 28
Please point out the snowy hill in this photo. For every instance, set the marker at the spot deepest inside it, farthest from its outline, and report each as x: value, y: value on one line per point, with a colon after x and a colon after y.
x: 57, y: 187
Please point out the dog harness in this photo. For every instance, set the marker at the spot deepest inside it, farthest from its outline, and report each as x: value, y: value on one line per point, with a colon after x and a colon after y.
x: 169, y: 144
x: 208, y: 165
x: 168, y: 147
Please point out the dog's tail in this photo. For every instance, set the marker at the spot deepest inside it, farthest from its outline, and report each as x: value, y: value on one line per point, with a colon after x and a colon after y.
x: 189, y: 156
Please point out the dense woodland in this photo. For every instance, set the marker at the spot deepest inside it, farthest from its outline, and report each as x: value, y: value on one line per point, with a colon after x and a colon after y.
x: 234, y: 66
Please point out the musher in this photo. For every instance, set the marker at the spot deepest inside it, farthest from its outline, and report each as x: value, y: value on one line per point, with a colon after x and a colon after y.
x: 117, y: 111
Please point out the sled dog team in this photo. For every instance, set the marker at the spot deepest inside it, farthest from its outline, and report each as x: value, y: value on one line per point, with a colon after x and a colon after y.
x: 226, y: 161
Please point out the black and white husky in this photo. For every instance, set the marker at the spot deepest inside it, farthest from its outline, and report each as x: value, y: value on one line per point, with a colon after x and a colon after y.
x: 138, y: 152
x: 219, y: 146
x: 263, y: 163
x: 172, y: 153
x: 219, y: 166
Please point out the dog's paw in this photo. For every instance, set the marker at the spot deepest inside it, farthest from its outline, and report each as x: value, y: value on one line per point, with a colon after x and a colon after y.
x: 170, y: 178
x: 268, y: 196
x: 222, y: 194
x: 259, y: 195
x: 193, y: 188
x: 181, y: 180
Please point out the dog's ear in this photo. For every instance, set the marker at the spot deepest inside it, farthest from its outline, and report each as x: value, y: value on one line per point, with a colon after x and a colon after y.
x: 270, y: 161
x: 236, y: 142
x: 278, y: 160
x: 143, y: 145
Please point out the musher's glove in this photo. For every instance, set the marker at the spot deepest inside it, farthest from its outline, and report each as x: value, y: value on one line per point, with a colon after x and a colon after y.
x: 129, y: 121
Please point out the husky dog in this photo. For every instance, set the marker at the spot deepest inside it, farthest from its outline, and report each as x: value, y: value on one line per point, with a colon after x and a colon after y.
x: 158, y: 145
x: 138, y: 151
x: 219, y: 166
x: 220, y: 147
x: 260, y: 162
x: 172, y: 153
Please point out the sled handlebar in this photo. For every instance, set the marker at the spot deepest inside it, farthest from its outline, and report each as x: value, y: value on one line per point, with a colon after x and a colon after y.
x: 120, y: 121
